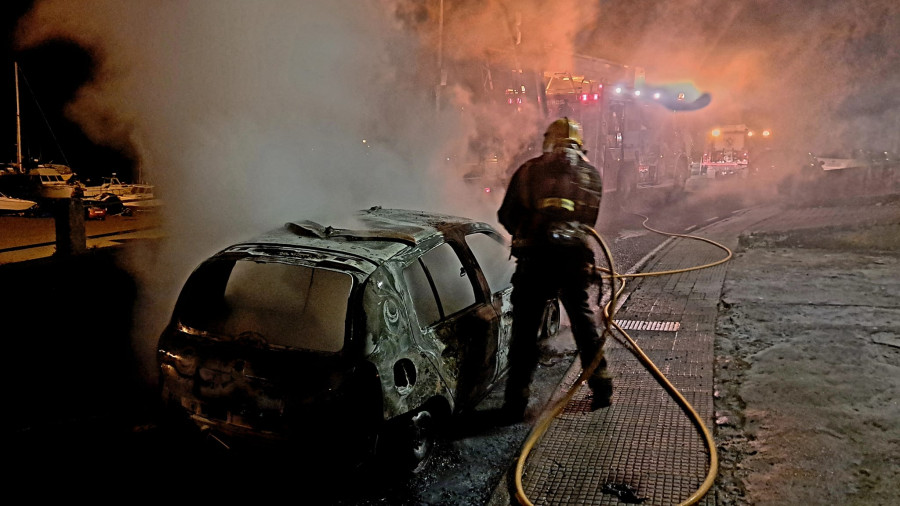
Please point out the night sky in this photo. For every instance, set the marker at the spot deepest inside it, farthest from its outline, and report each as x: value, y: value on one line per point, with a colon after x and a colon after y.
x: 49, y: 77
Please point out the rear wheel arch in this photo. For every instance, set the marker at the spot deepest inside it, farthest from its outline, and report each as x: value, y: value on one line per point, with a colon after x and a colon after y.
x: 408, y: 440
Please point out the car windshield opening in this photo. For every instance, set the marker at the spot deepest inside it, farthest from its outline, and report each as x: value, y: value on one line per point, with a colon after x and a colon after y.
x: 287, y: 305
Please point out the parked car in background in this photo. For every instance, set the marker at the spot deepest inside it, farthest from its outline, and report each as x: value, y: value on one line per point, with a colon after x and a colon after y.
x: 94, y: 213
x: 340, y: 344
x: 109, y: 202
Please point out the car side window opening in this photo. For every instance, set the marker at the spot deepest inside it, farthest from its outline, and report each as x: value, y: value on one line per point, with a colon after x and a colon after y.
x: 288, y: 305
x: 493, y: 257
x: 439, y: 285
x: 422, y: 293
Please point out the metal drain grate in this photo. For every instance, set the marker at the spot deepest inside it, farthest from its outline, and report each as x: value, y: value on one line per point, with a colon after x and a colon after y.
x: 652, y: 326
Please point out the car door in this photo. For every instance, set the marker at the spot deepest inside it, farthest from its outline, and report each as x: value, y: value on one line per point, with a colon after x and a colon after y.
x: 456, y: 319
x: 494, y: 261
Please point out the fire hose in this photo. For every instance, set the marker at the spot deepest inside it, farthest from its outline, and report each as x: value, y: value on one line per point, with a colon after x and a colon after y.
x: 609, y: 312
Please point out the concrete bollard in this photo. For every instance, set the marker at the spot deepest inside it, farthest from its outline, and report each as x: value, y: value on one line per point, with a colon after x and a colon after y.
x: 69, y: 217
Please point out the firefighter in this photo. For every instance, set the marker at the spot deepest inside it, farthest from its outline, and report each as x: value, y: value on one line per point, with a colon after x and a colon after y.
x: 548, y: 199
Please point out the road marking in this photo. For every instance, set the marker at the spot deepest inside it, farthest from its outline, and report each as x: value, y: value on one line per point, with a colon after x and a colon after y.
x: 712, y: 219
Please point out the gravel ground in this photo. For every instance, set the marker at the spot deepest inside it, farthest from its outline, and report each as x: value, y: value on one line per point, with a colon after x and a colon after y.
x: 808, y: 370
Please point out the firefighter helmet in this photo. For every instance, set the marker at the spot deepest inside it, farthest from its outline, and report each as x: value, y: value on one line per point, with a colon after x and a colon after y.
x: 565, y: 130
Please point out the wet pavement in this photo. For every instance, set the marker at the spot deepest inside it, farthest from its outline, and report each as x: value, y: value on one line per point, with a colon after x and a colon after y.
x: 28, y: 238
x: 644, y: 448
x: 641, y: 448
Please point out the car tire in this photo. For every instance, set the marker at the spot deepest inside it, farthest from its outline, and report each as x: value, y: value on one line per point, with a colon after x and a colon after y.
x: 421, y: 440
x: 409, y: 441
x: 550, y: 321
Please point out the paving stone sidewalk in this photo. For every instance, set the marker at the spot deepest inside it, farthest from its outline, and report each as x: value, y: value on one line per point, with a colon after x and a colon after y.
x: 645, y: 443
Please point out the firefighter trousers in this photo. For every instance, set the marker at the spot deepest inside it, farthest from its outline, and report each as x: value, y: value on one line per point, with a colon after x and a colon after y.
x: 540, y: 276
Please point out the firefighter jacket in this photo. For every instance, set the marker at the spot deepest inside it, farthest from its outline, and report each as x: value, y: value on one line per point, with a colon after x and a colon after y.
x: 551, y: 193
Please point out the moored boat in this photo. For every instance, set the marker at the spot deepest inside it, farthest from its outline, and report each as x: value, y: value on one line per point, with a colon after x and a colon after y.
x: 110, y: 185
x: 128, y: 192
x: 48, y: 183
x: 13, y: 205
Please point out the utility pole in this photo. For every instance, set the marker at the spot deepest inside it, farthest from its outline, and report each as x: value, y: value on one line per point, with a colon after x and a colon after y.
x: 442, y: 79
x: 18, y: 123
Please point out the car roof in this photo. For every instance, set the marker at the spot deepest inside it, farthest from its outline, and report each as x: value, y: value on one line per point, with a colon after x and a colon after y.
x: 383, y: 234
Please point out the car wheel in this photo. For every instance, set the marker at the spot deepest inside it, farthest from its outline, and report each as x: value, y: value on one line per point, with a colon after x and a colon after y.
x: 420, y: 440
x: 550, y: 320
x: 410, y: 441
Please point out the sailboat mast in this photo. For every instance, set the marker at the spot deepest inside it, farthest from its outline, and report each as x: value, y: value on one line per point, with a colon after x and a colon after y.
x: 18, y: 124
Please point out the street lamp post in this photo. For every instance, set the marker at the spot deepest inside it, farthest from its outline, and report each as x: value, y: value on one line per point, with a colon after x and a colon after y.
x: 440, y: 58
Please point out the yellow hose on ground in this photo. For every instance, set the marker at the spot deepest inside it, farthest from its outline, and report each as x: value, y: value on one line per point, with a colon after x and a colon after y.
x: 548, y: 417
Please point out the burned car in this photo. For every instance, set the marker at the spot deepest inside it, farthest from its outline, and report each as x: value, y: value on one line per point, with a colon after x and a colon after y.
x: 358, y: 341
x: 110, y: 203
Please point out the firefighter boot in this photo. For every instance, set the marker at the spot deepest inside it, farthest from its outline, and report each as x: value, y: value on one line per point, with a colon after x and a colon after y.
x: 514, y: 405
x: 602, y: 387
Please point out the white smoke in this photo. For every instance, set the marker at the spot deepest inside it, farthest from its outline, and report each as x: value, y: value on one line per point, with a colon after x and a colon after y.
x: 246, y: 115
x: 249, y: 114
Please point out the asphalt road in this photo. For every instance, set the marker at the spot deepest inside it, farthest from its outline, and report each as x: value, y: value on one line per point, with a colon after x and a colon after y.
x: 78, y: 413
x: 27, y: 238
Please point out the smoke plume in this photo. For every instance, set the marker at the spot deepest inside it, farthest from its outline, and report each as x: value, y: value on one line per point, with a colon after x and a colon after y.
x: 249, y: 114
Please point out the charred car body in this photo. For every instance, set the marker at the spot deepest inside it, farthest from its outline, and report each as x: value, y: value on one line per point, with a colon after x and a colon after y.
x: 356, y: 340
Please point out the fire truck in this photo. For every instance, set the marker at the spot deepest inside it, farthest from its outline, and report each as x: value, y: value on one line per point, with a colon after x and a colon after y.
x: 630, y: 135
x: 635, y: 141
x: 728, y: 151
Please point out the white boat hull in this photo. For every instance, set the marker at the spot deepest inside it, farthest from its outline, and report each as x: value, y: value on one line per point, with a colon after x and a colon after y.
x: 13, y: 205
